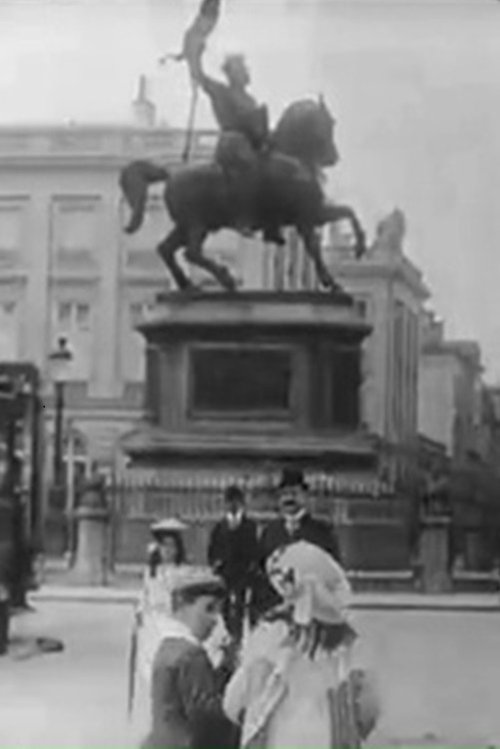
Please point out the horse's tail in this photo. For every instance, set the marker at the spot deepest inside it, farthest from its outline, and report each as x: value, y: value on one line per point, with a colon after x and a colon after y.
x: 134, y: 182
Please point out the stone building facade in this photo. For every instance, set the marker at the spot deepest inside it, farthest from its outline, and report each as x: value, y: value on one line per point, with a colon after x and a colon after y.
x: 451, y: 392
x: 66, y: 268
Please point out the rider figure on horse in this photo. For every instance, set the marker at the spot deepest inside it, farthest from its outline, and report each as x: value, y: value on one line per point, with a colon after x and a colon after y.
x: 244, y: 142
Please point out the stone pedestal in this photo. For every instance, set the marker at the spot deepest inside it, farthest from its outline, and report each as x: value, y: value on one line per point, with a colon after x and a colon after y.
x: 92, y: 517
x: 434, y: 555
x: 237, y: 386
x: 252, y: 376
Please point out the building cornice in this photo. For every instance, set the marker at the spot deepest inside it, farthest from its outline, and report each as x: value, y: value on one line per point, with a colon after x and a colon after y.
x: 14, y: 276
x: 146, y: 440
x: 385, y: 269
x: 72, y: 278
x: 455, y: 349
x: 97, y: 147
x: 137, y: 279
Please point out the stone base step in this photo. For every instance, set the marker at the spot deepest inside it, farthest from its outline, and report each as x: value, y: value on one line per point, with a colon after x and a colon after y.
x: 393, y: 581
x: 476, y: 582
x: 405, y: 581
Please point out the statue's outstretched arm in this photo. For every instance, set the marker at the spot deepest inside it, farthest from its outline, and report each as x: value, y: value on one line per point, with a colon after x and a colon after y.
x: 209, y: 85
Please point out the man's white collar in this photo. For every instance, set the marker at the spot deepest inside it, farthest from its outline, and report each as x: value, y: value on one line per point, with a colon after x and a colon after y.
x: 176, y: 629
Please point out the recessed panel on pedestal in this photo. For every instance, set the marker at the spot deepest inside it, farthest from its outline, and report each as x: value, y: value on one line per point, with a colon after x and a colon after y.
x: 234, y: 380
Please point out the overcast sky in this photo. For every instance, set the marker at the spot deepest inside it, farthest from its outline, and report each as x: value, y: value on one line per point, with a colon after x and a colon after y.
x: 415, y: 87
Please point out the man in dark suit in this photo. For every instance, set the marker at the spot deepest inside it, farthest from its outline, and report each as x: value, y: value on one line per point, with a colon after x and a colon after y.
x: 233, y: 553
x: 294, y: 524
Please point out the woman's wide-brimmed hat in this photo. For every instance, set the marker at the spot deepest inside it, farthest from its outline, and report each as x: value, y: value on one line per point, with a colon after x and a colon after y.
x: 168, y: 525
x: 197, y: 581
x: 292, y: 477
x: 312, y: 581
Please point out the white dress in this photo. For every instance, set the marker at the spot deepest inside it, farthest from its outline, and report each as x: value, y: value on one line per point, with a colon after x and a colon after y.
x: 283, y: 698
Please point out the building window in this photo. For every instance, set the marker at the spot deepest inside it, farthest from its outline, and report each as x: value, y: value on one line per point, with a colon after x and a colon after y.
x: 9, y: 331
x: 413, y: 354
x: 73, y: 316
x: 76, y: 230
x: 133, y: 342
x: 8, y: 309
x: 73, y: 319
x: 82, y: 316
x: 11, y: 230
x: 10, y: 227
x: 229, y: 381
x: 361, y: 306
x: 399, y: 354
x: 64, y: 314
x: 140, y: 247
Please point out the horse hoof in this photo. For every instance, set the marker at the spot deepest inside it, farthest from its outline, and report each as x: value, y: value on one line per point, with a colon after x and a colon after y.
x: 333, y: 287
x: 187, y: 287
x: 228, y: 282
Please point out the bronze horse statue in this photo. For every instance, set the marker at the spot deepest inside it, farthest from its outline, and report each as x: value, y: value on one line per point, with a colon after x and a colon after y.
x: 289, y: 194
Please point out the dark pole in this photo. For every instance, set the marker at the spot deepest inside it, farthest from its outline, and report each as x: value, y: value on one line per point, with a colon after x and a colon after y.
x: 190, y: 128
x: 56, y: 531
x: 34, y: 487
x: 58, y: 434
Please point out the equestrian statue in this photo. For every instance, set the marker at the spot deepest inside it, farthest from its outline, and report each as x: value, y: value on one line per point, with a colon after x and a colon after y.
x: 260, y: 180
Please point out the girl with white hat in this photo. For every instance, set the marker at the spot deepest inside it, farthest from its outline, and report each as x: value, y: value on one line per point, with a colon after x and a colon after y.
x: 296, y: 687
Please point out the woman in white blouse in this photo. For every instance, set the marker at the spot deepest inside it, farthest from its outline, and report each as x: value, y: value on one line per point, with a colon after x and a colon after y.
x: 296, y: 686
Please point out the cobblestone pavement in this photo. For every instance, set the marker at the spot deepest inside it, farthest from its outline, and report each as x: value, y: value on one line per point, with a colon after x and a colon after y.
x: 438, y: 674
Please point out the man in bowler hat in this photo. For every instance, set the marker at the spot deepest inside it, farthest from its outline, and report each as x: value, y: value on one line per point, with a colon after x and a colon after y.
x: 295, y: 522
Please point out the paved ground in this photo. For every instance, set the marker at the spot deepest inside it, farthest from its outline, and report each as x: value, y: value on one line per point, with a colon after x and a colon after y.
x: 438, y: 673
x: 128, y: 591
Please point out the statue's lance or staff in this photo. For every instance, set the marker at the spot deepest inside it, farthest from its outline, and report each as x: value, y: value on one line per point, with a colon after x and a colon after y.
x: 132, y: 664
x: 191, y: 120
x: 192, y: 49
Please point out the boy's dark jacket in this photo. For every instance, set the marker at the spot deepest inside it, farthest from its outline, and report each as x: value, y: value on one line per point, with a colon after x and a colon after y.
x: 186, y: 704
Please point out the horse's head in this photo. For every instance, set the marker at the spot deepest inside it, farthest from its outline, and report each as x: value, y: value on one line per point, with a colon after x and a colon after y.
x: 324, y: 123
x: 306, y: 132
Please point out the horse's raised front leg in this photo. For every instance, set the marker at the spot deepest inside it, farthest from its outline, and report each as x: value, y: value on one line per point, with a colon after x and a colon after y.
x: 334, y: 213
x: 312, y: 244
x: 167, y: 251
x: 195, y: 256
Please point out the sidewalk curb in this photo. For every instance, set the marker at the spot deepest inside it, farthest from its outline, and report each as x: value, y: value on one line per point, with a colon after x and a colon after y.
x: 362, y: 602
x: 471, y: 608
x: 85, y: 595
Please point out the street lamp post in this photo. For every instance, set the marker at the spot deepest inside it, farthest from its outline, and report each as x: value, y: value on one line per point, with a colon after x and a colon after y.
x: 60, y: 360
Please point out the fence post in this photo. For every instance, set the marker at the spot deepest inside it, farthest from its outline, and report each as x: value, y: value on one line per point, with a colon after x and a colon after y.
x: 91, y: 563
x: 111, y: 502
x: 434, y: 554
